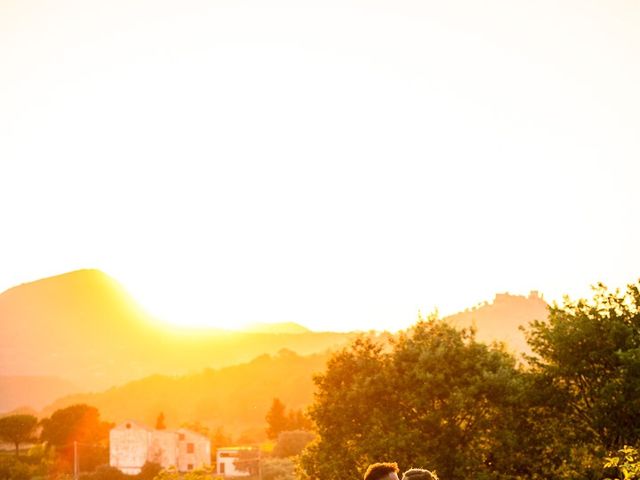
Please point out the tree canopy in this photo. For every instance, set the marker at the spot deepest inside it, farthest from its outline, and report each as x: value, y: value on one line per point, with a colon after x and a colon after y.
x: 434, y: 397
x: 17, y: 429
x: 278, y: 420
x: 80, y: 423
x: 587, y: 360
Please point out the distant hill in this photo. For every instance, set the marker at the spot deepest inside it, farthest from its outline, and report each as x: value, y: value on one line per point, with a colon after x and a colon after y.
x: 84, y: 327
x: 501, y: 320
x: 284, y: 327
x: 236, y: 398
x: 35, y: 392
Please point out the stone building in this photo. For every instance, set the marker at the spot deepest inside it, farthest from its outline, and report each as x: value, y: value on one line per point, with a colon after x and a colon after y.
x: 132, y: 444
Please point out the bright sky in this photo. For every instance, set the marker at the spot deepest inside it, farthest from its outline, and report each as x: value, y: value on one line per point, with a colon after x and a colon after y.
x: 338, y: 163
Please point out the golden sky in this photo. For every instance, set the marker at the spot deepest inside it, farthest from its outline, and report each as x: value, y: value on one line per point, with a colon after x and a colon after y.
x: 341, y: 164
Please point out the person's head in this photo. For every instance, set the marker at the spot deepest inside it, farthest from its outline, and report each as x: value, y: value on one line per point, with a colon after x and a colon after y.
x: 382, y: 471
x: 419, y: 474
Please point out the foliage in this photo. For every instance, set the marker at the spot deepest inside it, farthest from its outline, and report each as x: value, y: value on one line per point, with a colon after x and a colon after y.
x: 170, y: 473
x: 80, y: 424
x: 434, y: 397
x: 149, y: 471
x: 292, y: 443
x: 105, y: 472
x: 173, y: 474
x: 12, y: 468
x: 278, y: 420
x: 241, y: 406
x: 627, y: 462
x: 297, y: 420
x: 587, y: 360
x: 18, y: 429
x: 278, y: 469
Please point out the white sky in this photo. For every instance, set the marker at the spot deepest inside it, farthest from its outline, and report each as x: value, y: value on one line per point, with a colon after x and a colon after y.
x: 341, y: 164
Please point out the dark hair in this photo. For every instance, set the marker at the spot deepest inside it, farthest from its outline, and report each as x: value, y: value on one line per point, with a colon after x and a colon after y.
x: 419, y: 474
x: 376, y: 471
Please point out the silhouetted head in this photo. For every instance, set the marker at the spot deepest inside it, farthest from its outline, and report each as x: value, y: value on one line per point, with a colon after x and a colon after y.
x: 419, y: 474
x: 382, y: 471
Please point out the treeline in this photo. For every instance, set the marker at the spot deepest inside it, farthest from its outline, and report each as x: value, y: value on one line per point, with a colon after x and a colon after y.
x: 436, y: 398
x: 75, y: 431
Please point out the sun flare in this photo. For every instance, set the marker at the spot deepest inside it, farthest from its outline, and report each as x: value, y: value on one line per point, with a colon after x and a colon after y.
x: 176, y: 308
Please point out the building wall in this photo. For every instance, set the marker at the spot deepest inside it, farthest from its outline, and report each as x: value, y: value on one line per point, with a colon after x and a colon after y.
x: 194, y: 451
x: 132, y: 444
x: 163, y: 448
x: 128, y: 447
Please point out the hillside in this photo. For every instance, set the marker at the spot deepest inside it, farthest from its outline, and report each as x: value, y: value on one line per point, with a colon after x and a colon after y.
x: 236, y: 398
x: 501, y: 320
x: 36, y: 392
x: 85, y: 328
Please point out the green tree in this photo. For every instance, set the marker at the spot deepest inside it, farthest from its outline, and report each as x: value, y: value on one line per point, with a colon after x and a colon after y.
x: 277, y: 420
x: 278, y: 469
x: 14, y: 468
x: 292, y: 443
x: 626, y: 462
x: 17, y: 429
x: 81, y: 424
x: 149, y: 471
x: 432, y: 397
x: 588, y: 352
x: 297, y: 420
x: 105, y: 472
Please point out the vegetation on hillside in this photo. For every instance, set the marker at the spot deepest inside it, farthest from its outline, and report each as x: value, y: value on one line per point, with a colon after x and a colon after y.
x: 235, y: 398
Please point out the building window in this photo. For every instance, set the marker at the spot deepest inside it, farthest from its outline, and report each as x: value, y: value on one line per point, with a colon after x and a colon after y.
x: 181, y: 436
x: 190, y: 448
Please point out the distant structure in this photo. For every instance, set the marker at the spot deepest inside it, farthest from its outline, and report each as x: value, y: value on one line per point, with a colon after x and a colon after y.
x: 502, y: 320
x: 132, y: 444
x: 225, y: 461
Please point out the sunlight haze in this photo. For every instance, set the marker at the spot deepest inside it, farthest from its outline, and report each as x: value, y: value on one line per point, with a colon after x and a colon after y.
x: 339, y: 164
